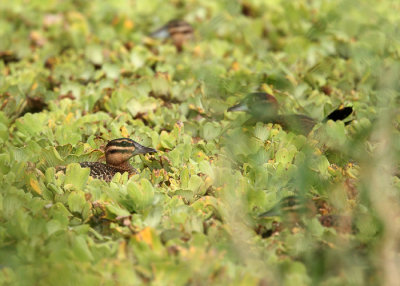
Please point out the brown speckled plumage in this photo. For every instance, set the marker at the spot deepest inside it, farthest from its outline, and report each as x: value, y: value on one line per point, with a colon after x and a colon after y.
x: 105, y: 172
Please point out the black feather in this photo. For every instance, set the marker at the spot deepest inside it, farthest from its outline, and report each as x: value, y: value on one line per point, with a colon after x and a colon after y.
x: 339, y: 114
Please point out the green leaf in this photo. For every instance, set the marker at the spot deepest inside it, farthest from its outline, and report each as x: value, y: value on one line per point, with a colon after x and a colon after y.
x: 94, y: 53
x: 321, y: 165
x: 196, y: 184
x: 117, y: 211
x: 53, y: 226
x: 336, y: 134
x: 111, y: 71
x: 81, y: 249
x: 141, y: 194
x: 31, y: 124
x: 50, y: 157
x: 76, y: 177
x: 76, y: 201
x: 167, y: 140
x: 3, y: 128
x: 211, y: 130
x: 282, y: 156
x: 261, y: 132
x: 184, y: 176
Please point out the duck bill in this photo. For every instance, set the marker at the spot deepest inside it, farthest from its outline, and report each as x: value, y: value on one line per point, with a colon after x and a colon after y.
x: 145, y: 150
x: 161, y: 33
x: 238, y: 107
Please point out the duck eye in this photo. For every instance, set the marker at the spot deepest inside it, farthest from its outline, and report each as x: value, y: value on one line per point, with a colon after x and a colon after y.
x: 125, y: 144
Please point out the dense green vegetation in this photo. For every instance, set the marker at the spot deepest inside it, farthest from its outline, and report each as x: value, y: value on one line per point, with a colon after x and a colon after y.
x: 75, y: 74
